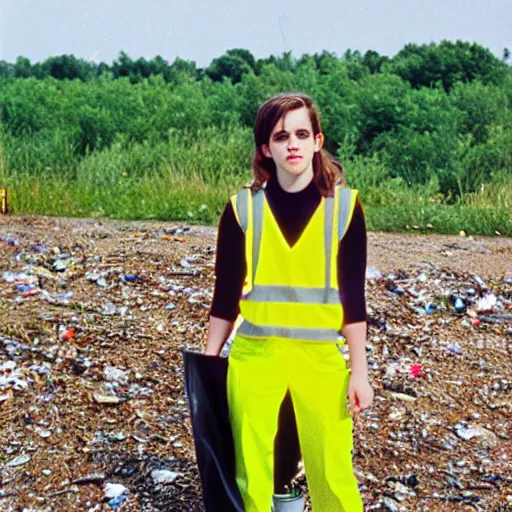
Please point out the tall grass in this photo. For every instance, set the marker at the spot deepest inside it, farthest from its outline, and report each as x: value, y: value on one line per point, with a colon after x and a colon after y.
x: 190, y: 177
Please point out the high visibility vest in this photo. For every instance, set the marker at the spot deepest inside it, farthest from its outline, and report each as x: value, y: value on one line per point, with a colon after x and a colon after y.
x: 292, y: 292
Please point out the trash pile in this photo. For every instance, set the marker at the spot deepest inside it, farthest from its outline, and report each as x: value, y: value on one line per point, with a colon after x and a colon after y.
x: 93, y: 417
x: 439, y: 349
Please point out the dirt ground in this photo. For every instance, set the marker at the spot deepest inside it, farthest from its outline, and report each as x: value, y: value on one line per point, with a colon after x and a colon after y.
x: 82, y: 298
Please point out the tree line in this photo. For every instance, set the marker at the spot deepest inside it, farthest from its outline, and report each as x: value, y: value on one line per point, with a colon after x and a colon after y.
x: 424, y: 65
x: 438, y: 114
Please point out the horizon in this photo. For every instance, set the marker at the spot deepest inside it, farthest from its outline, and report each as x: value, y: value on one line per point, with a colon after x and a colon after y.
x: 296, y: 57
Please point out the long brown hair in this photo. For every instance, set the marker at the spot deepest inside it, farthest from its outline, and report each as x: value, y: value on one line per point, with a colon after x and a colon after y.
x: 326, y: 174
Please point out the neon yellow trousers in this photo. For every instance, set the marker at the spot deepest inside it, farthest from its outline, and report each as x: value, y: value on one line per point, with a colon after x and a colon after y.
x: 260, y: 372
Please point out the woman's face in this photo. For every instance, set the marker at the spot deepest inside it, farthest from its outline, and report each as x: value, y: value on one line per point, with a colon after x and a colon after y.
x: 292, y: 144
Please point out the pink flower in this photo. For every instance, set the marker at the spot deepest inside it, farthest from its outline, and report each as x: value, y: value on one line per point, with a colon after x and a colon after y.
x: 416, y: 370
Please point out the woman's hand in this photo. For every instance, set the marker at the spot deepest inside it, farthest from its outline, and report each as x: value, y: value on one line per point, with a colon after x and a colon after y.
x: 218, y: 332
x: 360, y: 394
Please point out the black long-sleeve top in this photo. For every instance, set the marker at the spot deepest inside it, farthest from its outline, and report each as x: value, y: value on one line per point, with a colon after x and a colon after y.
x: 292, y: 211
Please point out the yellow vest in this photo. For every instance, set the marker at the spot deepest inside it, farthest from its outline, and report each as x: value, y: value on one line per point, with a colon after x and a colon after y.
x: 292, y: 292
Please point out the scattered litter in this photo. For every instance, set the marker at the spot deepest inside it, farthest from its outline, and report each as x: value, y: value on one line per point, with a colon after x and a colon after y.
x: 373, y: 273
x: 468, y: 432
x: 93, y: 478
x: 163, y: 476
x: 416, y: 370
x: 116, y: 375
x: 454, y: 348
x: 486, y: 304
x: 91, y: 379
x: 115, y: 494
x: 19, y: 461
x: 107, y: 399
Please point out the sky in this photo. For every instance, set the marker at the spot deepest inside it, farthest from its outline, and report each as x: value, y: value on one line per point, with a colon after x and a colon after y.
x: 200, y: 30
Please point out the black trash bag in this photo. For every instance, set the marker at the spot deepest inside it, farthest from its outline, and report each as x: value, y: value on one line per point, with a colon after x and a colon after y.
x: 205, y: 384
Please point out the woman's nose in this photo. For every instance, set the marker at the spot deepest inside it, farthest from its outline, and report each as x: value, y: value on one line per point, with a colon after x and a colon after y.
x: 292, y: 142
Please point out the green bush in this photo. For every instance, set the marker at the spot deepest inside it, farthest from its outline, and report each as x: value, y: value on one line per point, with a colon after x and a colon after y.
x: 420, y: 134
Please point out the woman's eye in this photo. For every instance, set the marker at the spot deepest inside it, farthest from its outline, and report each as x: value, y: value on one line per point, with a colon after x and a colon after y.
x: 303, y: 135
x: 280, y: 137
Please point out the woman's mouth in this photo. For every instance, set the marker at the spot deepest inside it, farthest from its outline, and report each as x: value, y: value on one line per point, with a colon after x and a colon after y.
x: 293, y: 158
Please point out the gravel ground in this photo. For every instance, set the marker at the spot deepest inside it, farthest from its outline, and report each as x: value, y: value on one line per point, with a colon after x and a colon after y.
x: 438, y: 441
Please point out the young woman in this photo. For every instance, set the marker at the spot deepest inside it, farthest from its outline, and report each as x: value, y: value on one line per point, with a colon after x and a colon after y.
x: 291, y: 258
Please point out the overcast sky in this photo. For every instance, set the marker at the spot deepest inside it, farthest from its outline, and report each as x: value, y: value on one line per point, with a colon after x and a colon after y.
x: 201, y: 30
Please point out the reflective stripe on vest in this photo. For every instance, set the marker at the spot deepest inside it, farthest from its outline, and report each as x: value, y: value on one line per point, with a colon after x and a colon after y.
x: 257, y: 229
x: 271, y: 293
x: 242, y: 208
x: 298, y: 333
x: 344, y: 213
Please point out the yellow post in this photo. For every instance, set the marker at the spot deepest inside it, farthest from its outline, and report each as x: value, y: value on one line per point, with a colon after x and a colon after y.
x: 3, y: 201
